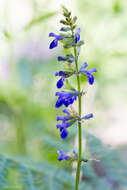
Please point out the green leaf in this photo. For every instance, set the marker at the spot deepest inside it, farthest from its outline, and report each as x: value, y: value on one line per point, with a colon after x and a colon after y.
x: 64, y: 22
x: 7, y: 35
x: 74, y: 20
x: 40, y: 19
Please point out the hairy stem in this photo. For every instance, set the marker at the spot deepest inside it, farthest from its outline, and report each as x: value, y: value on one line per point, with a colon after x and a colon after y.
x: 79, y: 128
x: 79, y: 124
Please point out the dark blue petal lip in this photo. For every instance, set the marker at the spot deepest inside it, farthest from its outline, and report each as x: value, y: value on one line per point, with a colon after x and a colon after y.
x: 59, y: 103
x: 60, y: 158
x: 63, y: 133
x: 60, y: 58
x: 60, y: 83
x: 62, y: 73
x: 91, y: 79
x: 53, y: 44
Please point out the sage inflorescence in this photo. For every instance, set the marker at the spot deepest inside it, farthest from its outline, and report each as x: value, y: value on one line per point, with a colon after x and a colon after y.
x: 69, y: 36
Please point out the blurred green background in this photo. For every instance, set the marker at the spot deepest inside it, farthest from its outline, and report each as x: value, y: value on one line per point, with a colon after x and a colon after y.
x: 28, y: 85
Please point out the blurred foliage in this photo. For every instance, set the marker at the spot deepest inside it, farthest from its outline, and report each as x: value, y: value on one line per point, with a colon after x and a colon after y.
x: 29, y: 140
x: 109, y: 170
x: 40, y: 19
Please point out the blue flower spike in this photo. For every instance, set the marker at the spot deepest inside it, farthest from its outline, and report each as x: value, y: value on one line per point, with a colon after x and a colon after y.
x: 62, y: 155
x: 70, y: 38
x: 88, y: 73
x: 54, y: 43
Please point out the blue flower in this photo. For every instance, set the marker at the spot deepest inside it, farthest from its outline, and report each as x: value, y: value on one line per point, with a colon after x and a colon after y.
x: 63, y: 130
x: 88, y: 73
x: 65, y: 29
x: 68, y: 58
x: 66, y: 98
x: 63, y: 127
x: 66, y: 111
x: 60, y: 82
x: 88, y: 116
x: 60, y: 58
x: 62, y: 156
x: 63, y: 75
x: 77, y: 35
x: 54, y: 43
x: 67, y: 121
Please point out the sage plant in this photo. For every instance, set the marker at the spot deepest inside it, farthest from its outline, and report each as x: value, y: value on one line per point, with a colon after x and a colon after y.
x: 69, y: 36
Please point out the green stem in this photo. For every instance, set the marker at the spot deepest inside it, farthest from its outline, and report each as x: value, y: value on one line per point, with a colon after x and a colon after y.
x: 79, y: 127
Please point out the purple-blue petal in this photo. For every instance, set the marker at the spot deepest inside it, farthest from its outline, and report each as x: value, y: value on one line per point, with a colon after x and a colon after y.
x: 82, y: 68
x: 62, y: 73
x: 66, y: 157
x: 88, y: 116
x: 92, y: 70
x: 65, y: 98
x: 60, y: 58
x: 63, y: 133
x: 77, y: 38
x: 53, y: 44
x: 85, y: 65
x: 58, y: 37
x: 62, y: 118
x: 60, y: 83
x: 60, y: 158
x: 57, y: 74
x: 58, y: 126
x: 77, y: 31
x: 51, y: 34
x: 66, y: 111
x: 77, y: 35
x: 59, y: 103
x: 90, y: 79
